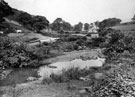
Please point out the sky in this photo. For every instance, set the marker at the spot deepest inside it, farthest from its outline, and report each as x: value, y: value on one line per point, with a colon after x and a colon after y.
x: 74, y: 11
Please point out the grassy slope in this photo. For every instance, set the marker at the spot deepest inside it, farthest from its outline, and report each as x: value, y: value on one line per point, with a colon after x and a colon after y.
x: 126, y: 29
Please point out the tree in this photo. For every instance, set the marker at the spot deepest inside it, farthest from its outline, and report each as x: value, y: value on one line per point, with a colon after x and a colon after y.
x: 78, y: 27
x: 67, y: 26
x: 59, y: 24
x: 5, y: 10
x: 39, y: 23
x: 133, y: 19
x: 109, y: 22
x: 86, y: 26
x: 25, y: 19
x: 33, y: 22
x: 97, y: 23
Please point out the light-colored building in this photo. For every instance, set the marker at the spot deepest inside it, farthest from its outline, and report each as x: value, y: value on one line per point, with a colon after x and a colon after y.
x: 93, y: 28
x: 93, y: 31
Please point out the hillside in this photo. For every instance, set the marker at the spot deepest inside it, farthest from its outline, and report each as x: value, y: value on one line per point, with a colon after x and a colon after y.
x: 12, y: 19
x: 15, y: 15
x: 128, y: 28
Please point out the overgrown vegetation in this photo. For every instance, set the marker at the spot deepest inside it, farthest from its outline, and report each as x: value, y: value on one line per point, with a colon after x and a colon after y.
x: 15, y: 53
x: 70, y: 74
x: 74, y: 73
x: 117, y: 82
x: 6, y: 10
x: 119, y: 76
x: 119, y: 79
x: 36, y: 23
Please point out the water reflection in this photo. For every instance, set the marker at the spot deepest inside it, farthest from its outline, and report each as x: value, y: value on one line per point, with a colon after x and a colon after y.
x: 56, y: 68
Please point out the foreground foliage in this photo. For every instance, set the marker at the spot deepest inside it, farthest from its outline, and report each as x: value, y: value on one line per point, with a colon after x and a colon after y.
x: 118, y: 82
x: 15, y: 53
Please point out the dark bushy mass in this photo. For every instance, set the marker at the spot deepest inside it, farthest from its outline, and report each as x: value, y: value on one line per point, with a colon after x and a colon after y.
x: 15, y: 53
x: 32, y: 22
x: 78, y: 27
x: 5, y: 10
x: 109, y: 22
x: 59, y: 24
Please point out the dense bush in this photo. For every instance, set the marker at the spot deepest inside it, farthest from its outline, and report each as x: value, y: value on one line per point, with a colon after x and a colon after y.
x: 109, y: 22
x: 115, y: 43
x: 32, y: 22
x: 14, y: 53
x: 61, y: 26
x: 96, y: 42
x: 5, y: 10
x: 70, y: 74
x: 118, y: 82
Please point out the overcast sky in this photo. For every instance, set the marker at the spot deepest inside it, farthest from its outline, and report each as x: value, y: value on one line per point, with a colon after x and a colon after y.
x: 74, y: 11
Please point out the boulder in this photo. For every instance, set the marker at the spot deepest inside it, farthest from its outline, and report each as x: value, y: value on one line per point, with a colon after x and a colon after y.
x: 98, y: 75
x: 31, y: 78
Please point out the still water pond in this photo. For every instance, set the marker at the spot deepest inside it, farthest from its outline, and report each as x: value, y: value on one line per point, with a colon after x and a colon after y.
x: 21, y: 75
x: 57, y: 68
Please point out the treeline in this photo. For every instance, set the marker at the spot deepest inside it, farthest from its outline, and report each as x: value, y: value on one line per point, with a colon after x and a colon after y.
x: 5, y: 10
x: 60, y: 24
x: 33, y: 22
x: 37, y: 23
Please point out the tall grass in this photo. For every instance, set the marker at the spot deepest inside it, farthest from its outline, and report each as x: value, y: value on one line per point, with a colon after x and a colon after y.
x: 73, y: 73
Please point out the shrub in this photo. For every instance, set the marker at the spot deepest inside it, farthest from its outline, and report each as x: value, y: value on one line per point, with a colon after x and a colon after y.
x: 14, y: 53
x: 70, y: 74
x: 72, y: 38
x: 118, y: 82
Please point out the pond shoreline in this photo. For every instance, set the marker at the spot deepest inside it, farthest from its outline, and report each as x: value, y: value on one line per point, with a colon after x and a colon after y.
x: 19, y: 76
x: 68, y: 56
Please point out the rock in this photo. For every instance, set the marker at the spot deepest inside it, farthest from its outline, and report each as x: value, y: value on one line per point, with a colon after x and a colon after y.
x: 84, y: 78
x: 98, y: 75
x: 82, y: 91
x: 85, y: 90
x: 31, y: 78
x: 4, y: 74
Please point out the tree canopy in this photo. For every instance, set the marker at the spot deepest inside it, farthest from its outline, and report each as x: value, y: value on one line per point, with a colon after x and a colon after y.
x: 60, y: 24
x: 133, y: 19
x: 39, y: 23
x: 86, y: 26
x: 109, y: 22
x: 78, y: 27
x: 5, y: 10
x: 33, y: 22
